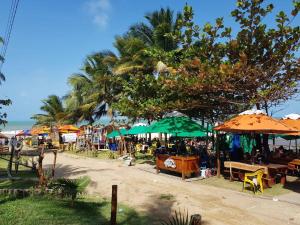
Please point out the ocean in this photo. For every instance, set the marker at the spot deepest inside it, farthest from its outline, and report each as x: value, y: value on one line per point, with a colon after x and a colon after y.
x: 17, y: 125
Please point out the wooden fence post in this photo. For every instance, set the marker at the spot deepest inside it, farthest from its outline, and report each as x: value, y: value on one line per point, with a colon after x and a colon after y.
x: 196, y: 219
x: 114, y: 205
x: 54, y: 162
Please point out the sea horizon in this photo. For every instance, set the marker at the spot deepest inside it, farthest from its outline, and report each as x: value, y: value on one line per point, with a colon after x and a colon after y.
x: 17, y: 125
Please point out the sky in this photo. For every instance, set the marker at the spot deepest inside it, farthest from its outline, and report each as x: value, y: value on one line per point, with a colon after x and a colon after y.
x: 51, y: 38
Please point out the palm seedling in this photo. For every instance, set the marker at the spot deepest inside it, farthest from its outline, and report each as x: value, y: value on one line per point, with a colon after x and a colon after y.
x: 70, y: 187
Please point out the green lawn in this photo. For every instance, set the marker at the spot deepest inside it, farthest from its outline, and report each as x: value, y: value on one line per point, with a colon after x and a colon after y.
x: 26, y: 178
x: 141, y: 158
x: 47, y: 210
x: 277, y: 189
x: 95, y: 154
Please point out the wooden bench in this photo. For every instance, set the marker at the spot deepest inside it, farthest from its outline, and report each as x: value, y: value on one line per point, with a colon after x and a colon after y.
x: 238, y: 169
x: 4, y: 148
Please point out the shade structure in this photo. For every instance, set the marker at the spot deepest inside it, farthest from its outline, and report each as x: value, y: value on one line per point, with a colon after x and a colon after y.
x: 255, y: 123
x: 3, y: 136
x: 40, y: 130
x: 24, y: 133
x: 198, y: 133
x: 294, y: 123
x: 138, y: 130
x: 175, y: 125
x: 68, y: 129
x: 116, y: 133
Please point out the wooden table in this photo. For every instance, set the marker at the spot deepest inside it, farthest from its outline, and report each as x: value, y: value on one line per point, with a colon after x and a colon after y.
x: 181, y: 164
x: 270, y: 171
x: 294, y: 165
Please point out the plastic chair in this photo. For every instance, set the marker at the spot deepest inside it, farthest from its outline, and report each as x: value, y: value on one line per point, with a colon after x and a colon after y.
x: 255, y: 180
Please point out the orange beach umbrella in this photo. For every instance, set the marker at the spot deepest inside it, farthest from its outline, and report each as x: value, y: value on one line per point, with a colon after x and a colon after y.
x: 40, y: 130
x: 292, y: 120
x: 255, y: 122
x: 68, y: 129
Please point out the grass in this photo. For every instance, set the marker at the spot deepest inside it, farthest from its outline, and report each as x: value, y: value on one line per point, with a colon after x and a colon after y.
x: 141, y: 158
x: 47, y: 210
x: 97, y: 154
x: 26, y: 177
x: 168, y: 197
x: 277, y: 189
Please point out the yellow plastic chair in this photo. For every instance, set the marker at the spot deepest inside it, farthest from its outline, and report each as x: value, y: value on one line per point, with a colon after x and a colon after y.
x: 138, y: 147
x: 249, y: 178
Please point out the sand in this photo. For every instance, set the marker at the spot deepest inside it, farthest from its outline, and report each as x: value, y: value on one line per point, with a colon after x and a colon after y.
x: 159, y: 195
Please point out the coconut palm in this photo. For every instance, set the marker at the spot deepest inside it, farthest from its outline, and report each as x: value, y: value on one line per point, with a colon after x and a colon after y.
x: 132, y: 47
x: 154, y: 32
x: 92, y: 89
x: 53, y: 112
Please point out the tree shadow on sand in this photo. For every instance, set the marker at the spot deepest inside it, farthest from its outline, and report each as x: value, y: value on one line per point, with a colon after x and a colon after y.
x: 161, y: 207
x: 67, y: 170
x: 293, y: 185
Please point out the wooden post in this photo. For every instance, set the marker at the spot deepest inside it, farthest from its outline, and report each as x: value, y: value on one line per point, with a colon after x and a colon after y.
x: 114, y: 205
x: 40, y: 171
x: 296, y: 146
x: 54, y: 162
x: 196, y: 219
x: 218, y: 156
x: 9, y: 166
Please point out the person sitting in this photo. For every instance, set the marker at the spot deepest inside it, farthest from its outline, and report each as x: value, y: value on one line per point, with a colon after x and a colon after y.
x: 247, y: 157
x: 182, y: 148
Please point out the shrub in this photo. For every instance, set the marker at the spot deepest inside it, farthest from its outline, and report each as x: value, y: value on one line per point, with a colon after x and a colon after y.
x: 70, y: 187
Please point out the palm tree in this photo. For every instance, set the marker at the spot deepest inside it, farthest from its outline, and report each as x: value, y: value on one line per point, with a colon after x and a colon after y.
x: 2, y: 77
x: 54, y: 112
x: 92, y: 89
x: 132, y: 47
x: 160, y: 23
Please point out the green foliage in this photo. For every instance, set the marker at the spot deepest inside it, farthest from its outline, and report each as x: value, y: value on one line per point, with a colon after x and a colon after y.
x: 54, y: 112
x: 3, y: 102
x: 178, y: 219
x: 168, y: 62
x: 70, y: 187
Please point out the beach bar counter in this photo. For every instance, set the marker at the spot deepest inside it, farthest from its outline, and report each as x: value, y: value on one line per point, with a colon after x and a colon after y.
x: 186, y: 165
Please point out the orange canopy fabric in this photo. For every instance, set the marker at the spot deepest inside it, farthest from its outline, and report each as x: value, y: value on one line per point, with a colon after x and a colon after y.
x: 294, y: 124
x: 3, y: 136
x: 255, y: 123
x: 68, y: 129
x: 40, y: 130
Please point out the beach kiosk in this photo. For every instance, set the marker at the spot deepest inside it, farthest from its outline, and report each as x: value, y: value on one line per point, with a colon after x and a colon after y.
x: 177, y: 161
x: 255, y: 122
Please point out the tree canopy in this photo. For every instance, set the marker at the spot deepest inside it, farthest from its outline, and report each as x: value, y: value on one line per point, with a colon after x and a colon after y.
x: 167, y: 62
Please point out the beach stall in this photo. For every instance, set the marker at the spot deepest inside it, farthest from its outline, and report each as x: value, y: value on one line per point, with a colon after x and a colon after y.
x: 177, y: 159
x: 255, y: 122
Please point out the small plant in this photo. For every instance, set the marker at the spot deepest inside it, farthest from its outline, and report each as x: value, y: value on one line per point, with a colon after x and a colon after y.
x: 70, y: 187
x: 168, y: 197
x: 182, y: 219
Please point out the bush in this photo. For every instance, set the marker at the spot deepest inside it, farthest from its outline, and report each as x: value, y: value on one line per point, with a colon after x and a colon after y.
x: 182, y: 219
x: 70, y: 187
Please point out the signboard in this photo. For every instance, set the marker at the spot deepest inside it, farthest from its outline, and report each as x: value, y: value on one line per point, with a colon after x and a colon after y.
x: 69, y: 138
x: 170, y: 163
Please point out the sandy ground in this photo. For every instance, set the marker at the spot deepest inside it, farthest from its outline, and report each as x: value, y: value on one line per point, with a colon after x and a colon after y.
x: 142, y: 189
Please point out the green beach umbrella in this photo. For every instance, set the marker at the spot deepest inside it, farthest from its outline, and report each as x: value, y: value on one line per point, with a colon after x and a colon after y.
x: 197, y: 133
x: 115, y: 133
x: 138, y: 130
x: 175, y: 125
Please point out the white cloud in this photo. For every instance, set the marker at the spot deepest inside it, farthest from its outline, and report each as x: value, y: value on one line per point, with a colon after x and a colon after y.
x: 99, y: 11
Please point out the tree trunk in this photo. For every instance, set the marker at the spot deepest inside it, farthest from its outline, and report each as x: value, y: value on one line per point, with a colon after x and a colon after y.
x: 218, y: 156
x: 54, y: 162
x: 40, y: 171
x: 9, y: 166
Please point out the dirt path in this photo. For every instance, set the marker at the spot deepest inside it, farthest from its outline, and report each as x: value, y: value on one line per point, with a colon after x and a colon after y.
x: 144, y: 191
